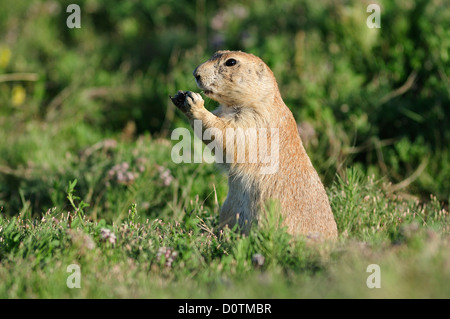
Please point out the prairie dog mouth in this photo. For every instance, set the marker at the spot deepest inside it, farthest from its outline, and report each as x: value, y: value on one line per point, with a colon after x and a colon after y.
x: 205, y: 90
x: 202, y: 87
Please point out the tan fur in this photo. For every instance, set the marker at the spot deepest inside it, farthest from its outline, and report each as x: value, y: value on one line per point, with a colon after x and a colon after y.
x: 249, y: 98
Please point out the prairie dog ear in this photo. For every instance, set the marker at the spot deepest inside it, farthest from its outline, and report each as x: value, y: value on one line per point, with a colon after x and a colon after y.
x: 261, y: 69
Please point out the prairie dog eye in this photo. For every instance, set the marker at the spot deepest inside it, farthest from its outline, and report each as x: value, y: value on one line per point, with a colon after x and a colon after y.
x: 230, y: 62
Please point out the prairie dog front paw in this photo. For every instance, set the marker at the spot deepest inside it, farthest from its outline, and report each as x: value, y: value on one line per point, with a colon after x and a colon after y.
x: 188, y: 102
x: 194, y: 101
x: 179, y: 100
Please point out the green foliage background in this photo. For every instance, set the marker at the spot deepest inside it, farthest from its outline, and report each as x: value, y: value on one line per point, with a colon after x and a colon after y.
x: 378, y: 99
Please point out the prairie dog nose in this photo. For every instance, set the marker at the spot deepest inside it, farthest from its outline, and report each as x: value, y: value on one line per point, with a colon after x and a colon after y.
x: 196, y: 75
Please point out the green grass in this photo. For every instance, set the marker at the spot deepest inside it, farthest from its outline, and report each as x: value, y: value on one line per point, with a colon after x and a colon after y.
x: 180, y: 255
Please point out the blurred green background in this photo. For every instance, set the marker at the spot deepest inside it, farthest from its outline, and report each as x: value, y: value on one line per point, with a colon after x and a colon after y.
x: 74, y: 103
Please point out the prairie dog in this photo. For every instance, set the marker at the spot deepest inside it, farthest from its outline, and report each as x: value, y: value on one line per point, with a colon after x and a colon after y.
x: 250, y: 101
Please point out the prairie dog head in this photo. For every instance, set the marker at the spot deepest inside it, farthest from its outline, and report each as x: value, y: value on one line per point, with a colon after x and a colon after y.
x: 235, y: 78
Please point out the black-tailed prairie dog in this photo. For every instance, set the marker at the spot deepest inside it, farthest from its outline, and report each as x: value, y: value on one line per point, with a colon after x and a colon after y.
x: 257, y: 138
